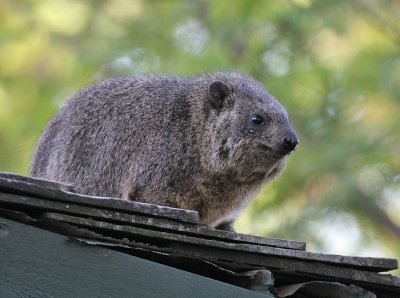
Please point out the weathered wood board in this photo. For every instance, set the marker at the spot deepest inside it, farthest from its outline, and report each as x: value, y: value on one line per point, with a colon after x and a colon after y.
x: 145, y: 217
x: 38, y: 181
x: 372, y: 264
x: 145, y: 221
x: 37, y: 190
x: 286, y: 271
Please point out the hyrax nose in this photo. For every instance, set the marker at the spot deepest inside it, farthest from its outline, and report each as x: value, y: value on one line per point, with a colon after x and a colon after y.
x: 290, y: 143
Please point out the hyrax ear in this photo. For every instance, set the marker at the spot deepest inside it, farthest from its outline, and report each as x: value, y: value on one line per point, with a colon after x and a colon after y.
x: 218, y: 92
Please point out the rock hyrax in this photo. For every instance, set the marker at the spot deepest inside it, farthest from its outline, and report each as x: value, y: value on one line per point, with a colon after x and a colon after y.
x: 206, y: 143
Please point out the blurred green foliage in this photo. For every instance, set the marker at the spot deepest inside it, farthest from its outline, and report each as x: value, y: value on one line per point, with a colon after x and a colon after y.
x: 335, y: 65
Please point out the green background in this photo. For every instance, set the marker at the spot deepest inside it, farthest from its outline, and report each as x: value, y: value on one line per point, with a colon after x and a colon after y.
x: 335, y: 66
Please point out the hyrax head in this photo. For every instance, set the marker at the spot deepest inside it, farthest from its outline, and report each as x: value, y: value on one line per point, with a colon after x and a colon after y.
x: 251, y: 134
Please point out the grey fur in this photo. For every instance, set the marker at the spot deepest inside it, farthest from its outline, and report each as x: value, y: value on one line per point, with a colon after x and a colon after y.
x: 180, y: 142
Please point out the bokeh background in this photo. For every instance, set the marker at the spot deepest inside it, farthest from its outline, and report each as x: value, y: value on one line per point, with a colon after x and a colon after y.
x: 335, y: 66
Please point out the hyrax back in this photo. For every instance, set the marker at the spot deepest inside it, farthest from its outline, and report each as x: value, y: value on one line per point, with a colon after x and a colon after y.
x: 205, y: 143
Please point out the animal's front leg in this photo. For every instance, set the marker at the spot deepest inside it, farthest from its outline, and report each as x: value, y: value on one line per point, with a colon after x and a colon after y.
x: 226, y: 226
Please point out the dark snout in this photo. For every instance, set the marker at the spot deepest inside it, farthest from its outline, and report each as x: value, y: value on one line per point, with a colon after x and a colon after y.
x: 284, y: 143
x: 290, y: 142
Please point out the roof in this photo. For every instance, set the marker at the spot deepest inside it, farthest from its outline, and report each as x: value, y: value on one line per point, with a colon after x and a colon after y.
x: 175, y: 238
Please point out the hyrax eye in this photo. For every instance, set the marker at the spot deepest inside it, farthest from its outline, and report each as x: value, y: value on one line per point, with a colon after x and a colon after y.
x: 257, y: 119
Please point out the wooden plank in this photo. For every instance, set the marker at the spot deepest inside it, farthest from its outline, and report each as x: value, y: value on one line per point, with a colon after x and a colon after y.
x: 60, y: 267
x: 286, y: 271
x: 38, y: 181
x: 146, y: 221
x: 372, y: 264
x: 203, y: 230
x: 31, y: 189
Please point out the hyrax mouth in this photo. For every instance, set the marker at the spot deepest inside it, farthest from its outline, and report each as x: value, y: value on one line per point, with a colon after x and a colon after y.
x: 265, y: 147
x: 271, y: 152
